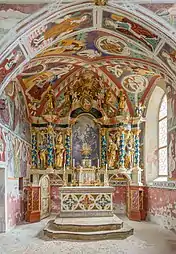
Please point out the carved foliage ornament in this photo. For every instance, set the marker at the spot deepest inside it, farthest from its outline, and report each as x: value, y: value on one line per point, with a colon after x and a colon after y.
x: 100, y: 2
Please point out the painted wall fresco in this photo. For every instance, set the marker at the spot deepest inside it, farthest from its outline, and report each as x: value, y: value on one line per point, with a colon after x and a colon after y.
x: 129, y: 27
x: 14, y: 114
x: 43, y: 36
x: 2, y: 200
x: 171, y: 106
x: 11, y: 14
x: 168, y: 55
x: 85, y: 131
x: 172, y: 154
x: 161, y: 205
x: 165, y: 10
x: 12, y: 60
x: 18, y: 156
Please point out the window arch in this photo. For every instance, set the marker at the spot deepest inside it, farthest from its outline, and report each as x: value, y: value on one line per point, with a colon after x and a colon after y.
x: 162, y: 137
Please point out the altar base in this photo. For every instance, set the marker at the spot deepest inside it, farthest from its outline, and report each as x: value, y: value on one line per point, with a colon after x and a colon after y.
x: 85, y: 201
x: 87, y: 229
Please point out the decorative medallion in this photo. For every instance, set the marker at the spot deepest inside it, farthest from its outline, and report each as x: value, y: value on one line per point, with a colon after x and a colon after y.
x: 135, y: 83
x: 86, y: 103
x: 112, y: 46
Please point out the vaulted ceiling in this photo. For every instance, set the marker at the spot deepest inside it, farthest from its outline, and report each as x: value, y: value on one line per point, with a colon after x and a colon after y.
x: 125, y: 49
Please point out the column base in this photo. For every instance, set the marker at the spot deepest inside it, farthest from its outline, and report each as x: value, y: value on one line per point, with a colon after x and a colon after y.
x: 32, y: 216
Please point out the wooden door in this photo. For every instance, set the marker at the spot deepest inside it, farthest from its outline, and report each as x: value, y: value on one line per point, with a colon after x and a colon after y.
x: 45, y: 196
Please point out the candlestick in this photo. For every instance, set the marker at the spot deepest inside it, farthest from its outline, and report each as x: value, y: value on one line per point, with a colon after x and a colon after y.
x: 106, y: 167
x: 73, y: 163
x: 98, y: 163
x: 64, y: 167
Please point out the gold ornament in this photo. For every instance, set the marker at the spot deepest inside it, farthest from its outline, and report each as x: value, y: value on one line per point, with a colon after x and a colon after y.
x: 60, y: 149
x: 100, y: 2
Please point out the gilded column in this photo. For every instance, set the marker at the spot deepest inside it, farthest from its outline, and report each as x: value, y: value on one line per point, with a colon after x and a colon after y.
x: 50, y: 146
x: 122, y: 149
x: 103, y: 148
x: 68, y: 147
x: 34, y: 148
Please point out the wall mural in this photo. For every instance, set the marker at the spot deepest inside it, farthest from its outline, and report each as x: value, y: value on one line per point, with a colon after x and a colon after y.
x: 168, y: 55
x: 172, y: 154
x: 130, y: 27
x: 171, y: 107
x: 39, y: 38
x: 167, y: 11
x: 12, y: 14
x: 13, y: 113
x: 2, y: 200
x: 85, y: 131
x: 12, y: 60
x: 15, y: 152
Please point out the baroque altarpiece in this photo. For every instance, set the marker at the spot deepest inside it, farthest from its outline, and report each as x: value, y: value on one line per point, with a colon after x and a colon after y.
x: 85, y: 143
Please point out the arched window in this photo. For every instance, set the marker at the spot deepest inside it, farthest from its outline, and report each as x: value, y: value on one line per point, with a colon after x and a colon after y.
x: 162, y: 140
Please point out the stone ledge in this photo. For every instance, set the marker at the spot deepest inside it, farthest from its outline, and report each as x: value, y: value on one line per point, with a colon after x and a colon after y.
x: 164, y: 185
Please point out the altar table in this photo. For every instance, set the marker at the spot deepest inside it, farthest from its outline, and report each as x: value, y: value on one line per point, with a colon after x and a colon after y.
x: 86, y: 201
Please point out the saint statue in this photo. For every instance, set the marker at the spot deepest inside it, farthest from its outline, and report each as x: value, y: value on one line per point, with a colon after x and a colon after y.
x: 139, y: 109
x: 50, y: 106
x: 129, y: 154
x: 122, y: 101
x: 60, y: 149
x: 43, y: 157
x: 112, y: 153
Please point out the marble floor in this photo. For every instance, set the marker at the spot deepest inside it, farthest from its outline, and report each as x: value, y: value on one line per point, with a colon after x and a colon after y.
x: 148, y: 238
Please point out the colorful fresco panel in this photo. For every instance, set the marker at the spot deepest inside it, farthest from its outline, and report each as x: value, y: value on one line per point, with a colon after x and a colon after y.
x: 13, y: 60
x: 171, y: 106
x: 168, y: 55
x: 172, y: 154
x: 62, y: 26
x: 130, y: 28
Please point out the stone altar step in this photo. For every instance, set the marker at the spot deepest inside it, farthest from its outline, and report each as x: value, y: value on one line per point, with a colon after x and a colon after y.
x: 87, y: 224
x: 87, y: 229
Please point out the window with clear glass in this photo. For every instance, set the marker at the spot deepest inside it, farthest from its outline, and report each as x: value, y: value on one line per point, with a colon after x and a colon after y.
x: 162, y: 149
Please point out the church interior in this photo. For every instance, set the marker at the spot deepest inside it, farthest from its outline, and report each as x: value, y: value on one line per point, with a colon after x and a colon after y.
x: 88, y: 126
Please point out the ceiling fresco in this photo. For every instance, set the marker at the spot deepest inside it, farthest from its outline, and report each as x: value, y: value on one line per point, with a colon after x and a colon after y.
x: 62, y: 63
x: 118, y: 51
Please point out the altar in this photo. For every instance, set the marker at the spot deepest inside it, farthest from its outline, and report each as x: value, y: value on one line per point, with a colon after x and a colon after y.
x: 86, y: 201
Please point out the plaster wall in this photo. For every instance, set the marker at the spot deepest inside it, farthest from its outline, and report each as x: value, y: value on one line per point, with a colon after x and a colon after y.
x: 161, y: 207
x: 2, y: 201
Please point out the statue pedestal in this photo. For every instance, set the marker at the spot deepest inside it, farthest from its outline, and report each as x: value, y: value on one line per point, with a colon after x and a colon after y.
x: 86, y: 201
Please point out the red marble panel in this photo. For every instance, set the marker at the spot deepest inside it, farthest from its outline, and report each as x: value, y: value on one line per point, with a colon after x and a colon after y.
x: 119, y: 195
x: 55, y: 200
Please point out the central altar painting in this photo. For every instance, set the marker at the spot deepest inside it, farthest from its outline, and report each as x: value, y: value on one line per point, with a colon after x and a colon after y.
x: 85, y: 133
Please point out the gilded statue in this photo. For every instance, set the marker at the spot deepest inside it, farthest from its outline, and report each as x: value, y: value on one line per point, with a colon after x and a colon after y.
x: 43, y: 157
x: 60, y: 149
x: 139, y: 109
x: 108, y: 103
x: 86, y: 83
x: 112, y: 153
x: 129, y: 153
x: 121, y: 101
x: 50, y: 106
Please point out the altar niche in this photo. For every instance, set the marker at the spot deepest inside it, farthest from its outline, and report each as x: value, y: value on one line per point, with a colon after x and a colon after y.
x: 85, y: 133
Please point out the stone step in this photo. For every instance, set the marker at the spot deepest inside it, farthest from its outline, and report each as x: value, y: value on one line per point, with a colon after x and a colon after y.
x: 86, y: 224
x: 88, y: 236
